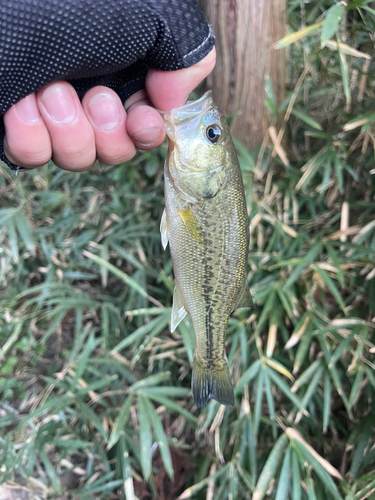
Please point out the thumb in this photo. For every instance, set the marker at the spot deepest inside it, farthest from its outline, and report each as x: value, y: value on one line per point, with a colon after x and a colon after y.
x: 170, y: 89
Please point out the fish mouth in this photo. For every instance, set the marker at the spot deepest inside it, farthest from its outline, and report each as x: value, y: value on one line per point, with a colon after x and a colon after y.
x: 191, y: 109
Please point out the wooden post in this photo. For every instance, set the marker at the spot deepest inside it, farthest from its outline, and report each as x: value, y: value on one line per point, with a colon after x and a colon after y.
x: 245, y: 33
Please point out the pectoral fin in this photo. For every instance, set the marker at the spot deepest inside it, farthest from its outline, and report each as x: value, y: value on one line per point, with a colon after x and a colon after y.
x: 164, y: 229
x: 191, y: 223
x: 244, y: 298
x: 178, y: 309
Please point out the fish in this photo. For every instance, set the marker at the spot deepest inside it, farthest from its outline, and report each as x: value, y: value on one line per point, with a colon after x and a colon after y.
x: 205, y: 222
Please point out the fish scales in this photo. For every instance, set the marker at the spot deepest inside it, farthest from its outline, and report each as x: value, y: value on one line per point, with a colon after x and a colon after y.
x: 206, y: 224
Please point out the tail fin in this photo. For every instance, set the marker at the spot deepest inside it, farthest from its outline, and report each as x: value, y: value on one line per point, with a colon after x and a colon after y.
x: 211, y: 383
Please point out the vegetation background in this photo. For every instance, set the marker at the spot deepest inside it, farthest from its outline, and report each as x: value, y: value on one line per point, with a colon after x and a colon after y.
x: 95, y: 391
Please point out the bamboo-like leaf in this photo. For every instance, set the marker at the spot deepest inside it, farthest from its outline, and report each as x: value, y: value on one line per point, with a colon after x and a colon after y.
x: 326, y: 401
x: 104, y: 269
x: 149, y: 382
x: 296, y: 437
x: 160, y: 437
x: 279, y: 368
x: 306, y: 375
x: 307, y: 119
x: 340, y: 349
x: 355, y: 387
x: 345, y: 76
x: 258, y: 400
x: 346, y: 49
x: 284, y: 480
x: 128, y: 480
x: 297, y: 35
x: 119, y: 426
x: 270, y: 401
x: 123, y: 276
x: 92, y: 418
x: 153, y: 328
x: 364, y: 437
x: 23, y: 227
x: 286, y: 390
x: 172, y: 406
x: 310, y: 390
x: 270, y: 468
x: 50, y: 470
x: 330, y: 285
x: 310, y: 489
x: 192, y: 490
x: 331, y: 22
x: 91, y: 343
x: 251, y: 439
x: 13, y: 243
x: 296, y: 478
x: 337, y: 383
x: 145, y: 437
x: 365, y: 492
x: 248, y: 376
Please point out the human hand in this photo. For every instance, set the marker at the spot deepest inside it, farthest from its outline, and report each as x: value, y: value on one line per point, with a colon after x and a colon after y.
x: 53, y: 122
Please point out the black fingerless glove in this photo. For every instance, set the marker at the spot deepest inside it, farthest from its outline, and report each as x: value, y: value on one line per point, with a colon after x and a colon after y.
x: 95, y: 42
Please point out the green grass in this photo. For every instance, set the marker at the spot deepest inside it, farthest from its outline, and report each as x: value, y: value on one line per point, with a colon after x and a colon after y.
x: 94, y: 389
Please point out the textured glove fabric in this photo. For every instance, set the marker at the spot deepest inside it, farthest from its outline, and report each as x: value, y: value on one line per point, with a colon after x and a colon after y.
x: 95, y: 42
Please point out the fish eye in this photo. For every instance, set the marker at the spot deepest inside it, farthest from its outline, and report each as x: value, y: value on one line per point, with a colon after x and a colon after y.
x: 213, y: 133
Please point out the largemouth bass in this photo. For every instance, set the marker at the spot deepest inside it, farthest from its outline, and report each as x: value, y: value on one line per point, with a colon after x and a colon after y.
x: 206, y: 223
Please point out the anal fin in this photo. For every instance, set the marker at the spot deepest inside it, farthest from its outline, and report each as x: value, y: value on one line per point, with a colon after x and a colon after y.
x: 244, y: 298
x: 164, y: 229
x: 178, y: 309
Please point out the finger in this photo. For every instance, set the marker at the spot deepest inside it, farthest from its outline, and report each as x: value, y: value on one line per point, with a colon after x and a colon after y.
x: 27, y: 142
x: 107, y: 116
x: 72, y: 137
x: 170, y: 89
x: 144, y: 124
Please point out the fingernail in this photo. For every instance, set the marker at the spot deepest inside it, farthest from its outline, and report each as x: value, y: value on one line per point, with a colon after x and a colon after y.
x: 104, y: 111
x: 27, y: 109
x: 59, y: 103
x: 147, y: 137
